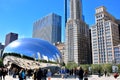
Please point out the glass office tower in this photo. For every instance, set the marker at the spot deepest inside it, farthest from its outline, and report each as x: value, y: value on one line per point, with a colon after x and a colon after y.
x: 48, y: 28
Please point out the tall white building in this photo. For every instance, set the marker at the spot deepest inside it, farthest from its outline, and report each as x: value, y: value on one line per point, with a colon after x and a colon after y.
x: 105, y: 35
x: 77, y: 36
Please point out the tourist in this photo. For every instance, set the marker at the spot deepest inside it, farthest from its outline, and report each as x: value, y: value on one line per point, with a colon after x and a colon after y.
x: 80, y: 73
x: 85, y: 75
x: 4, y: 72
x: 99, y: 73
x: 22, y: 74
x: 44, y: 74
x: 39, y: 74
x: 34, y: 75
x: 49, y: 74
x: 63, y: 72
x: 0, y: 73
x: 105, y: 72
x: 75, y: 72
x: 116, y: 74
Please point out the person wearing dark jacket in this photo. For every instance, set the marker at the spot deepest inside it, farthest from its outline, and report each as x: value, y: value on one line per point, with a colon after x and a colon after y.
x: 39, y: 74
x: 0, y: 73
x: 4, y: 72
x: 45, y: 74
x: 80, y: 73
x: 35, y: 74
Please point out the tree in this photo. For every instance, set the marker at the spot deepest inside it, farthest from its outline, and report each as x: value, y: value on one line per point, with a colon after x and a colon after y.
x: 107, y: 67
x: 1, y: 62
x: 118, y: 67
x: 96, y: 67
x: 62, y: 64
x: 71, y: 65
x: 85, y: 66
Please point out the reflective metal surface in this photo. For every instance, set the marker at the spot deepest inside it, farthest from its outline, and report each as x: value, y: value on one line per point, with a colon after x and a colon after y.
x: 34, y: 48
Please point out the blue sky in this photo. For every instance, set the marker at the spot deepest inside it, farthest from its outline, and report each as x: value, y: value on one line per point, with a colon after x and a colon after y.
x: 18, y: 16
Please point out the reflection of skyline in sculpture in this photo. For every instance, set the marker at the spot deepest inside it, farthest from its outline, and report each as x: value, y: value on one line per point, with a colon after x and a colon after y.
x: 38, y: 48
x: 39, y: 56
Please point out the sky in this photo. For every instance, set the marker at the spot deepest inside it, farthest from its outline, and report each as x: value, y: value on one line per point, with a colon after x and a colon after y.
x: 18, y: 16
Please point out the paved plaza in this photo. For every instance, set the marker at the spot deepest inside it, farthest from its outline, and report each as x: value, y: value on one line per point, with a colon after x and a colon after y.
x: 92, y: 77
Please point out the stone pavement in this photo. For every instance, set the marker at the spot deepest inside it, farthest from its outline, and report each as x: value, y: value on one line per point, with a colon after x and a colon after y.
x: 92, y: 77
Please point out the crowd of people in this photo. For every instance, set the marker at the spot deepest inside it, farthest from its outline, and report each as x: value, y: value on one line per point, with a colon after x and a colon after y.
x: 82, y: 74
x: 41, y: 73
x: 45, y: 73
x: 23, y: 74
x: 36, y: 74
x: 3, y: 72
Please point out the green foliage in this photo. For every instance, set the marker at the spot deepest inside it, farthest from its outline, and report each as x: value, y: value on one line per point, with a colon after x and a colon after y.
x: 62, y: 64
x: 1, y: 62
x: 101, y: 67
x: 17, y: 55
x: 52, y: 62
x: 94, y: 68
x: 85, y: 66
x: 45, y: 61
x: 71, y: 65
x: 118, y: 68
x: 11, y: 54
x: 27, y: 57
x: 107, y: 67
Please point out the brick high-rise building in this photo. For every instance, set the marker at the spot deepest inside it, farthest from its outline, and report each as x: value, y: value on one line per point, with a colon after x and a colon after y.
x: 10, y: 37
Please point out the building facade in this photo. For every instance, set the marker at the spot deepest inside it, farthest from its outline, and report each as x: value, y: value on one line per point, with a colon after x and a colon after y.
x: 117, y: 54
x: 105, y: 35
x: 1, y: 46
x: 118, y: 22
x: 48, y: 28
x: 77, y: 36
x: 10, y: 37
x: 1, y: 49
x: 61, y: 48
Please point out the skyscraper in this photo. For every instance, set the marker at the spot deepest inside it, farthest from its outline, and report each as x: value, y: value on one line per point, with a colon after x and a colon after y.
x: 105, y: 35
x: 118, y: 22
x: 10, y: 37
x: 48, y: 28
x: 1, y: 49
x: 77, y: 36
x: 1, y: 46
x: 65, y: 12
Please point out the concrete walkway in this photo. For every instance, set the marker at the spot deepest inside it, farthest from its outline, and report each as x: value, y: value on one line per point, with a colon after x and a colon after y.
x: 92, y: 77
